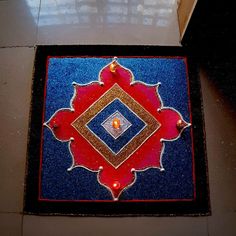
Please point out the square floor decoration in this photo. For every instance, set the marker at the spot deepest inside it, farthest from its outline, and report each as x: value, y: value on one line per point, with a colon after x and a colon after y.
x: 116, y: 130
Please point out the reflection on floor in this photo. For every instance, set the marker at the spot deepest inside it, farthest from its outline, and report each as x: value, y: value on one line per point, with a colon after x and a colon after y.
x: 89, y: 22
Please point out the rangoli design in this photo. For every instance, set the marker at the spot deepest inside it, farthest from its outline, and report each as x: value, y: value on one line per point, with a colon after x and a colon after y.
x: 116, y: 126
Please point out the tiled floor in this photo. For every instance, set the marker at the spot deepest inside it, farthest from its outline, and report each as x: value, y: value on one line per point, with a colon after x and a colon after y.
x: 24, y: 23
x: 29, y: 22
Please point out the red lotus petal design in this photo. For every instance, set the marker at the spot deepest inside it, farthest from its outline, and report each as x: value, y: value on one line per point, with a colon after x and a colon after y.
x: 148, y: 155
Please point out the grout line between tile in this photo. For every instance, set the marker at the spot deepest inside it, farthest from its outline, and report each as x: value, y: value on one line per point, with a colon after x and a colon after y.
x: 208, y: 233
x: 37, y: 29
x: 22, y: 224
x: 24, y: 46
x: 11, y: 212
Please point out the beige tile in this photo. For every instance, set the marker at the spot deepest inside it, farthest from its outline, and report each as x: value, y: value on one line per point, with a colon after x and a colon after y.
x: 222, y: 224
x: 107, y: 22
x: 15, y: 83
x: 10, y: 224
x: 18, y: 22
x: 114, y: 226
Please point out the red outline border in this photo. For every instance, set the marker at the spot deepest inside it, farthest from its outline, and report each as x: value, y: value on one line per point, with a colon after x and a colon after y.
x: 134, y: 200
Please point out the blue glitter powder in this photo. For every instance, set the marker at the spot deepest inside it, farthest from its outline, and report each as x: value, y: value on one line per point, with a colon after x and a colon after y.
x: 176, y: 182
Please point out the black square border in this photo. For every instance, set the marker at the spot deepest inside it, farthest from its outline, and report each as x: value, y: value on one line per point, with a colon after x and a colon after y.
x: 201, y: 204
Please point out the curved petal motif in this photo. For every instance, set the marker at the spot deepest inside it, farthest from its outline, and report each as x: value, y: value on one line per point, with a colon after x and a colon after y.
x: 116, y: 154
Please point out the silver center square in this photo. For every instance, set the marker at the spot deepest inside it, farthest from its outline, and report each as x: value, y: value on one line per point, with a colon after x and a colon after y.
x: 116, y: 132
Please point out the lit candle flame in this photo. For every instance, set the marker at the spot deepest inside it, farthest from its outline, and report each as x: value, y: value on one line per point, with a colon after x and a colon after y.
x: 116, y: 123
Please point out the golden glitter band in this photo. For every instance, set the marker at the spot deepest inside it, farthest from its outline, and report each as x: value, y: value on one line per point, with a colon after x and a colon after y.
x: 116, y: 92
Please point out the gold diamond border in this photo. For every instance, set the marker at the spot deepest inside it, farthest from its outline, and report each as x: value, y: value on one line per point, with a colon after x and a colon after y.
x: 116, y: 92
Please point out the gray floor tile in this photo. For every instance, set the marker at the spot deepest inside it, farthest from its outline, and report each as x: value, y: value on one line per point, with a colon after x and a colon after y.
x: 108, y: 22
x: 222, y: 224
x: 221, y: 151
x: 113, y: 226
x: 221, y: 136
x: 10, y: 224
x: 18, y: 22
x: 15, y: 83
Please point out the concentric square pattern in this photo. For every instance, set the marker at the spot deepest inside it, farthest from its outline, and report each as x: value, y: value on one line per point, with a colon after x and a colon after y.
x: 95, y: 125
x: 125, y: 136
